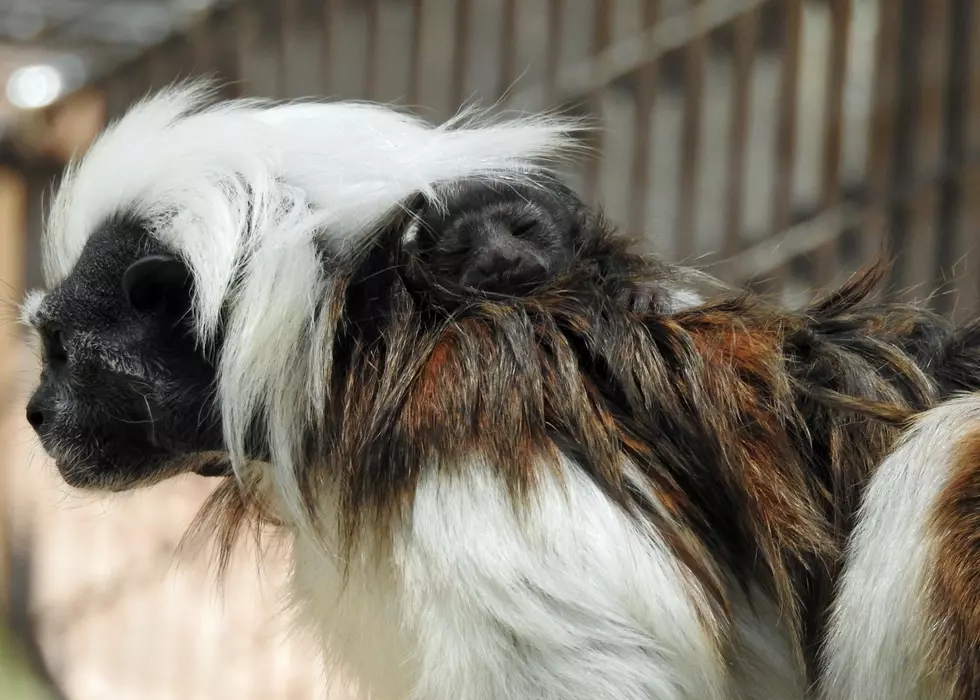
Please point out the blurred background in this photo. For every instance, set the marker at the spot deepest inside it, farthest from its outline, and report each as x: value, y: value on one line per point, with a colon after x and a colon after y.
x: 778, y: 143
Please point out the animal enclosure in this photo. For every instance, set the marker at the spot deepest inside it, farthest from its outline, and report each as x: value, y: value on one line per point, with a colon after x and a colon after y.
x: 779, y: 143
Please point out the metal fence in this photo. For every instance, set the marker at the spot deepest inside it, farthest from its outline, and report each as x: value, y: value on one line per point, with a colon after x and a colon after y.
x: 780, y: 143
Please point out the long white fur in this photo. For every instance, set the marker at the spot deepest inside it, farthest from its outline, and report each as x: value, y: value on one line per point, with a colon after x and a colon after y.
x: 568, y: 600
x: 879, y: 625
x: 571, y: 601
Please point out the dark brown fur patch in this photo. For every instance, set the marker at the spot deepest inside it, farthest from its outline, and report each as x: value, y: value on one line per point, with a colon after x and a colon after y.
x: 954, y: 577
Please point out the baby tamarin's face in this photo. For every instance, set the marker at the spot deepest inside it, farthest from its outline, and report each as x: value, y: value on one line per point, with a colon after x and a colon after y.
x: 497, y: 238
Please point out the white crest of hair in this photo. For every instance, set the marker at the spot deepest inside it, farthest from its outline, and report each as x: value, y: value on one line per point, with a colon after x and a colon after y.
x: 565, y: 598
x: 879, y: 625
x: 243, y: 190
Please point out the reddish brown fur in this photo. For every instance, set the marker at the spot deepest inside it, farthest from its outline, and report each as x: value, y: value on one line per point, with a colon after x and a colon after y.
x: 954, y: 580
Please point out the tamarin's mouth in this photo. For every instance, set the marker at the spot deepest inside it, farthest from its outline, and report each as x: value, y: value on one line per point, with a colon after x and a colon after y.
x: 214, y: 470
x: 213, y: 465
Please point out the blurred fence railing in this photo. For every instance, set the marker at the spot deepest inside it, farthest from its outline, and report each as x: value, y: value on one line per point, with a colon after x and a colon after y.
x: 780, y: 140
x: 781, y: 143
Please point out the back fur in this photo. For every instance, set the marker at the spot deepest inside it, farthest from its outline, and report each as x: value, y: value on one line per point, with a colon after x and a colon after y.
x: 752, y: 429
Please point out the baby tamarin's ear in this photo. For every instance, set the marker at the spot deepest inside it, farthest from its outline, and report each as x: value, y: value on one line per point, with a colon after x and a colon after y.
x: 492, y: 237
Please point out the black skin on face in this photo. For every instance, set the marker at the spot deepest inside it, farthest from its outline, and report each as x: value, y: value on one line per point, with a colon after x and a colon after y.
x: 127, y: 394
x: 495, y: 238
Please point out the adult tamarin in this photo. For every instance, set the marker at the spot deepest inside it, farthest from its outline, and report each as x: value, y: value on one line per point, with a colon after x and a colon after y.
x: 558, y: 474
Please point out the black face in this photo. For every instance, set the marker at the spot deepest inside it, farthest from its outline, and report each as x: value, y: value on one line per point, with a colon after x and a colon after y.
x: 126, y: 395
x: 497, y: 238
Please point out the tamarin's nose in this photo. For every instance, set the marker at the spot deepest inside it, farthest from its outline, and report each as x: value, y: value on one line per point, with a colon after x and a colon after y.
x: 36, y: 413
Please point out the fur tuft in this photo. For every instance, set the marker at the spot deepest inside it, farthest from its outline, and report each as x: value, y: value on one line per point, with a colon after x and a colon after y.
x: 30, y: 306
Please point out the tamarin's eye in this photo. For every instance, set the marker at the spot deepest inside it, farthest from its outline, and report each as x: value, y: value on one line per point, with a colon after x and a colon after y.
x: 523, y: 227
x: 54, y: 346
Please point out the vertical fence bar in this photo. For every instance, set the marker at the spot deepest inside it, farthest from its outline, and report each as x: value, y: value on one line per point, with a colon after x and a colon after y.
x: 951, y: 247
x: 270, y: 50
x: 415, y: 54
x: 133, y: 79
x: 826, y: 259
x: 923, y: 243
x: 903, y: 151
x: 348, y: 48
x: 289, y: 29
x: 882, y: 125
x: 303, y: 42
x: 972, y: 137
x: 971, y: 214
x: 38, y: 183
x: 437, y: 19
x: 695, y: 58
x: 180, y: 56
x: 787, y: 111
x: 968, y: 221
x: 371, y: 49
x: 223, y: 24
x: 601, y: 35
x: 393, y: 48
x: 460, y: 54
x: 116, y: 95
x: 329, y: 9
x: 13, y: 258
x: 833, y: 126
x: 156, y: 68
x: 646, y: 90
x: 205, y: 46
x: 553, y: 55
x: 508, y: 40
x: 743, y: 65
x: 259, y: 51
x: 918, y: 147
x: 246, y: 29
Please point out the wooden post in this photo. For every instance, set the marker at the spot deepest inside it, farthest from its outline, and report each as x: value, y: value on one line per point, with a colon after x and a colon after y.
x: 13, y: 237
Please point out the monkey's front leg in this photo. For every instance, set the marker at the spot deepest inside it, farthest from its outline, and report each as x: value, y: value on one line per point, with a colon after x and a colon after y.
x: 906, y: 624
x: 561, y: 598
x: 558, y: 598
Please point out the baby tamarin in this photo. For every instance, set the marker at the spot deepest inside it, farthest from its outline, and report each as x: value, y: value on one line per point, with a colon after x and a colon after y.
x: 484, y: 238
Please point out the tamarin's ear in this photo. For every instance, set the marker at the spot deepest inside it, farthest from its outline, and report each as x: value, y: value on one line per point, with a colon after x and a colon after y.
x: 158, y: 284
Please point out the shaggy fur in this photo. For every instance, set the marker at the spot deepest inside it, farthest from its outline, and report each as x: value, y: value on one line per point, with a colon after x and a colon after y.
x: 611, y: 487
x: 904, y: 626
x: 741, y: 433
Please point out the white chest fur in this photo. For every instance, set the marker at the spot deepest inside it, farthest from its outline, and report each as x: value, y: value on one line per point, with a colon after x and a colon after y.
x: 568, y: 600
